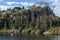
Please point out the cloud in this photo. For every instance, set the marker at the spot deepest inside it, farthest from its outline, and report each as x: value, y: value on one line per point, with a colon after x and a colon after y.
x: 31, y: 4
x: 26, y: 3
x: 55, y: 1
x: 21, y: 3
x: 11, y: 3
x: 1, y: 0
x: 2, y: 7
x: 5, y: 7
x: 56, y: 9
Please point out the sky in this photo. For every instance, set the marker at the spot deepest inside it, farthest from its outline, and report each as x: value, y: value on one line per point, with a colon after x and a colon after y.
x: 4, y: 4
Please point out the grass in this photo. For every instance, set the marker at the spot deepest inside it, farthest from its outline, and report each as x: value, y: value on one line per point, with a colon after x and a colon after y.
x: 53, y: 31
x: 8, y: 32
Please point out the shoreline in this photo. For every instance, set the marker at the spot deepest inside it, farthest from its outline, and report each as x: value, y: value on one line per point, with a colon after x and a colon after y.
x: 51, y: 31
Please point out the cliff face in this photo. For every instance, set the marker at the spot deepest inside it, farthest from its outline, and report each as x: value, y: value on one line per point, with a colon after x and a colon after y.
x: 34, y: 17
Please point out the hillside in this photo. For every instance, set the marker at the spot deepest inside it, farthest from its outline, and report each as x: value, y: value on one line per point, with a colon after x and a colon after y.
x: 33, y: 18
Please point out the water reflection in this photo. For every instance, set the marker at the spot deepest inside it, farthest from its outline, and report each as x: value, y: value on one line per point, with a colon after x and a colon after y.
x: 30, y: 37
x: 55, y: 37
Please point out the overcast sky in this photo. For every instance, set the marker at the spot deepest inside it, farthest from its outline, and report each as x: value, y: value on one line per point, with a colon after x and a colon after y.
x: 4, y: 4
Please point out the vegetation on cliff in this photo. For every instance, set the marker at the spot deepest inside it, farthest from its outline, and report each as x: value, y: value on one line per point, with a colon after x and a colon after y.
x: 36, y: 19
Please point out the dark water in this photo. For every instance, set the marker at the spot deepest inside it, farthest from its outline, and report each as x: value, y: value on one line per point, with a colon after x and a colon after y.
x: 30, y: 37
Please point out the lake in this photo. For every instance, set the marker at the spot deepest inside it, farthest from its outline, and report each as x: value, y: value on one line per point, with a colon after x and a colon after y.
x: 30, y: 37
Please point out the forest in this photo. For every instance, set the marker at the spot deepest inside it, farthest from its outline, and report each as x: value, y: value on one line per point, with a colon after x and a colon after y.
x: 36, y: 18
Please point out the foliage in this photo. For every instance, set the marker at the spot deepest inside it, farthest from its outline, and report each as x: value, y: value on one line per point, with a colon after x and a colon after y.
x: 36, y: 17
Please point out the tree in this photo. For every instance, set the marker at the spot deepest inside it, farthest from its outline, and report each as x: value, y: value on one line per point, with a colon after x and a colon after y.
x: 16, y: 9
